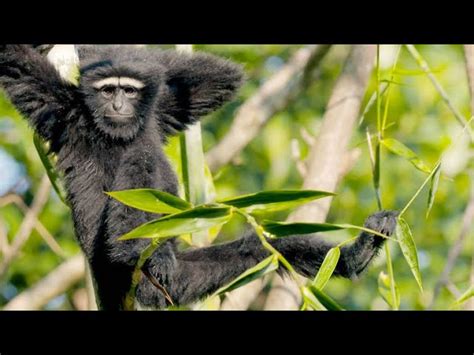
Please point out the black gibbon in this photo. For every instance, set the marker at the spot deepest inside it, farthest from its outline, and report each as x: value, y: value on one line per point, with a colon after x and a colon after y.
x: 108, y: 134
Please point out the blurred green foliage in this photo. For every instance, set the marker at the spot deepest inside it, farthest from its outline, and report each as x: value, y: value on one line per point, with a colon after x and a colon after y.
x: 417, y: 117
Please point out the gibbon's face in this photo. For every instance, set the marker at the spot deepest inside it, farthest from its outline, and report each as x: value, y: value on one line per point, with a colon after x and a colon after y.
x: 118, y: 98
x: 118, y: 104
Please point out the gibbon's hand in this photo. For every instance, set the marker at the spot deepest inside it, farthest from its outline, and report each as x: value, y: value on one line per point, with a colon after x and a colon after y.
x: 384, y: 222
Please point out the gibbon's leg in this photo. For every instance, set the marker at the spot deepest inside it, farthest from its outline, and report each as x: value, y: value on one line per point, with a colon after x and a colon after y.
x: 200, y: 272
x: 36, y: 89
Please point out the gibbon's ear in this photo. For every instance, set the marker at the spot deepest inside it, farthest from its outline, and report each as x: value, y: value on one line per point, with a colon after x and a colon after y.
x: 195, y: 85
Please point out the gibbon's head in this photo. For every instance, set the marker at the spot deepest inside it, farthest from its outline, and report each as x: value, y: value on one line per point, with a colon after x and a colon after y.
x: 119, y: 86
x: 122, y: 84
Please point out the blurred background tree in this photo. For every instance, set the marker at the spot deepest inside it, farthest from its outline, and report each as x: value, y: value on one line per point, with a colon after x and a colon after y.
x: 417, y: 116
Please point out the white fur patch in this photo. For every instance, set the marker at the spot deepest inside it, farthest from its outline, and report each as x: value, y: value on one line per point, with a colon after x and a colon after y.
x: 118, y: 81
x: 137, y: 84
x: 112, y: 81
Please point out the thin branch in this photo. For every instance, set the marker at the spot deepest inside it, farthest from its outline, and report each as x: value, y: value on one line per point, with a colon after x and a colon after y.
x: 54, y: 284
x: 424, y: 66
x: 469, y: 56
x: 296, y: 157
x: 451, y: 287
x: 327, y: 154
x: 4, y: 245
x: 157, y: 284
x: 456, y: 249
x: 274, y: 95
x: 27, y: 225
x: 40, y: 228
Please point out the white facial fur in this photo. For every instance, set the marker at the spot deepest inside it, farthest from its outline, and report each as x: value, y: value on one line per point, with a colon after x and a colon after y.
x: 118, y: 81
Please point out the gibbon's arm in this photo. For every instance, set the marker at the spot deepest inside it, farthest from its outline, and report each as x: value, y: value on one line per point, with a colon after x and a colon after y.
x: 200, y: 272
x: 196, y: 84
x: 36, y: 89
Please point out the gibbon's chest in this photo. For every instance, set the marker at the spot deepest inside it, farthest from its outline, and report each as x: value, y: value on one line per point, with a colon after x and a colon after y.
x: 90, y: 171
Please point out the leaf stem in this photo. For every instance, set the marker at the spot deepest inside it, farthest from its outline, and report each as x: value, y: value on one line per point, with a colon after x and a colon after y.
x: 392, y: 277
x: 378, y: 88
x: 261, y: 235
x: 420, y: 188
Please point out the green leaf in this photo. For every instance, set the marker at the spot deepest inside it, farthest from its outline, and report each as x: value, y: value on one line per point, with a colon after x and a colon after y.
x: 325, y: 300
x: 407, y: 244
x: 264, y: 267
x: 385, y: 290
x: 402, y: 150
x: 376, y: 174
x: 151, y: 200
x: 191, y: 221
x: 50, y: 170
x: 433, y: 188
x: 465, y: 296
x: 310, y: 300
x: 327, y: 268
x: 268, y: 201
x: 281, y: 229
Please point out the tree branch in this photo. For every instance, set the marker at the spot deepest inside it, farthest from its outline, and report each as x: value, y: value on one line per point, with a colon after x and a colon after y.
x: 27, y: 225
x: 40, y: 228
x: 54, y: 284
x: 241, y: 298
x: 469, y: 56
x: 327, y: 154
x: 271, y: 98
x: 468, y: 216
x: 456, y: 249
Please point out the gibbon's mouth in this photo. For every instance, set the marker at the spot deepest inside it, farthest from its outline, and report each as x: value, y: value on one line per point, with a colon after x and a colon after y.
x: 119, y: 118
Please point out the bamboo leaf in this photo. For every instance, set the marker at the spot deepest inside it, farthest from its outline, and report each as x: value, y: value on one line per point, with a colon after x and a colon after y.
x: 151, y: 200
x: 274, y: 200
x: 408, y: 247
x: 385, y: 290
x: 191, y: 221
x: 325, y: 300
x: 327, y: 268
x: 465, y: 296
x: 264, y: 267
x: 433, y: 188
x: 310, y: 300
x: 402, y: 150
x: 281, y: 229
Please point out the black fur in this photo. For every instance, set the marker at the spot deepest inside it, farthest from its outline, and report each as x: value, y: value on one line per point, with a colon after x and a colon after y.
x: 96, y: 156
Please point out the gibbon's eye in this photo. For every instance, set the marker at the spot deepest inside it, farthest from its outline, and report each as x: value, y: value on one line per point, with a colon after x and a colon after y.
x: 130, y: 91
x: 107, y: 91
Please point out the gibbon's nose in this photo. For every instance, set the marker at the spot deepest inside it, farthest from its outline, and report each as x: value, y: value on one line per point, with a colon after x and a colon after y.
x: 118, y: 102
